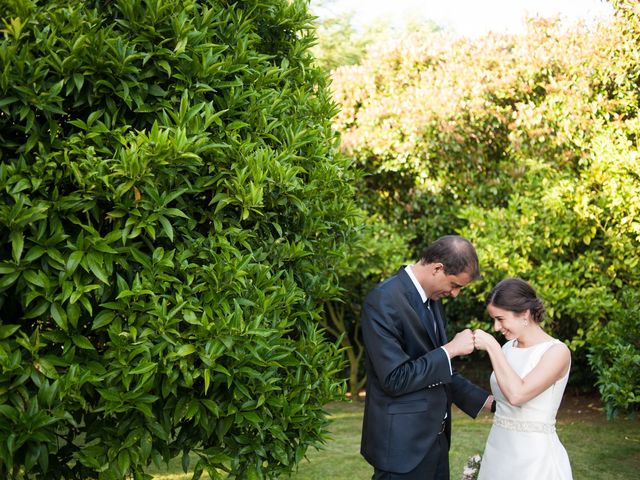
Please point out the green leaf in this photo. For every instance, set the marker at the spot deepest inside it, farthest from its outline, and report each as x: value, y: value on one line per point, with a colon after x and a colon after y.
x: 83, y: 342
x: 34, y: 253
x: 105, y: 317
x: 145, y: 446
x: 185, y: 462
x: 34, y: 278
x: 237, y: 124
x: 7, y: 330
x: 9, y: 412
x: 46, y: 368
x: 94, y: 261
x: 59, y: 316
x: 105, y: 248
x: 6, y: 267
x: 38, y: 310
x: 166, y: 227
x: 174, y: 212
x: 7, y: 101
x: 73, y: 314
x: 207, y: 380
x: 123, y: 462
x: 56, y: 88
x: 8, y: 280
x: 47, y: 393
x: 78, y: 79
x: 144, y: 368
x: 185, y: 350
x: 74, y: 260
x: 17, y: 244
x: 157, y: 91
x: 253, y: 417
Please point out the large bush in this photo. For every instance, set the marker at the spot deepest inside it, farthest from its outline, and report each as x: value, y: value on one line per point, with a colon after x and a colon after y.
x: 525, y: 144
x: 615, y: 356
x: 172, y: 209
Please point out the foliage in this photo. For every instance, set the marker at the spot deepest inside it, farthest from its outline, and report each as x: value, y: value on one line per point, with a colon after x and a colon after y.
x: 525, y: 144
x: 615, y: 356
x: 338, y: 43
x: 341, y: 43
x: 172, y: 209
x: 377, y: 251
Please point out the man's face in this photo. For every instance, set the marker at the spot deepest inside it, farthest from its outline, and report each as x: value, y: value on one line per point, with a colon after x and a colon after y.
x: 444, y: 285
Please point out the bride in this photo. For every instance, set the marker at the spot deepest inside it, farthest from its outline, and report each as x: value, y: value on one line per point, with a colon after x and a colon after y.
x: 529, y: 376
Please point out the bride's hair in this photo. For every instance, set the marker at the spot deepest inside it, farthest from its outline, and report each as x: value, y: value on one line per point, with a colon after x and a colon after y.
x: 516, y: 295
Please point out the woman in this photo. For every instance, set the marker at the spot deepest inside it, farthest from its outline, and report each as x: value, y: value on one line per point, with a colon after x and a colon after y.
x: 530, y: 373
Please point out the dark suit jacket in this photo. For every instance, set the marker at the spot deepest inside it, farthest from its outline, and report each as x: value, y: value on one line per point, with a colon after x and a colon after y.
x: 410, y: 386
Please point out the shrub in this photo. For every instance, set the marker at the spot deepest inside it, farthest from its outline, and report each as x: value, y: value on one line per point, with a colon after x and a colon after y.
x: 172, y: 209
x: 614, y: 354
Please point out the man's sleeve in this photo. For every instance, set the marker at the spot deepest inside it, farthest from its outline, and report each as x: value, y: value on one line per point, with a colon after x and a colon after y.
x: 468, y: 396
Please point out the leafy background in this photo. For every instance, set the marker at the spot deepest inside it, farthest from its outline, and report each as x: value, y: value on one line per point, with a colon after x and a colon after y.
x: 528, y: 146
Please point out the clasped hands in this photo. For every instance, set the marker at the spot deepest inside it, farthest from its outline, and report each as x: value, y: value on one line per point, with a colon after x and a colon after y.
x: 467, y: 341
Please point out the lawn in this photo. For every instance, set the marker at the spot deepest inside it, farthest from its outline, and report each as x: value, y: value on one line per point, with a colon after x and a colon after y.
x: 598, y: 448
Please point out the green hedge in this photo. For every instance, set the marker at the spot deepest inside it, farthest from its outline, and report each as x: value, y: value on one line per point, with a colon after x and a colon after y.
x: 172, y: 207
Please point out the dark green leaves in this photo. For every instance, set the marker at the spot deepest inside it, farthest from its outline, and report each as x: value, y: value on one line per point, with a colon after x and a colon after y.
x: 171, y: 208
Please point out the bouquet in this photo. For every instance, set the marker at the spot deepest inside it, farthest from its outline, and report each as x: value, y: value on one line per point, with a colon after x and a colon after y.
x: 471, y: 469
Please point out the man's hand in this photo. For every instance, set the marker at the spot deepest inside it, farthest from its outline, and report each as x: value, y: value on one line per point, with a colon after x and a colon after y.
x: 462, y: 344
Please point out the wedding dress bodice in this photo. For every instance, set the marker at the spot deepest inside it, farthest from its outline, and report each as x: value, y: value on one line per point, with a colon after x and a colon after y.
x: 541, y: 409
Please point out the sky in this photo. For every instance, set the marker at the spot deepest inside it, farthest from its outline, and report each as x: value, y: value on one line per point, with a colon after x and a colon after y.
x: 465, y: 17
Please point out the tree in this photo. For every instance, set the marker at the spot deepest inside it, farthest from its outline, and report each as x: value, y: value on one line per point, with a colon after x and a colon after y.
x: 172, y: 209
x: 342, y: 43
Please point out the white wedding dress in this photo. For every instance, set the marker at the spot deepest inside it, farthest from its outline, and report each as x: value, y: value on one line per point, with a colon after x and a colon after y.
x: 523, y: 443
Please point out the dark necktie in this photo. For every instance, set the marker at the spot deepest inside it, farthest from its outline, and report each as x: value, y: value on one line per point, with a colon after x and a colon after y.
x: 431, y: 317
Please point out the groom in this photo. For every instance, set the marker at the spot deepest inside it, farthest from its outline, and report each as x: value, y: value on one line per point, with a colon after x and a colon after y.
x: 410, y: 383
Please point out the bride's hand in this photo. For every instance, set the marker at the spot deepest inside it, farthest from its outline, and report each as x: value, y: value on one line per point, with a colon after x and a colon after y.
x: 483, y: 340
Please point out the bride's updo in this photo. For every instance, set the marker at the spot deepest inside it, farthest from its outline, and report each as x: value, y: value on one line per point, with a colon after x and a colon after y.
x: 516, y: 295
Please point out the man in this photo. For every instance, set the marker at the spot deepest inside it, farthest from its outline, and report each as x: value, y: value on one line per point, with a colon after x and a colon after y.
x: 410, y: 383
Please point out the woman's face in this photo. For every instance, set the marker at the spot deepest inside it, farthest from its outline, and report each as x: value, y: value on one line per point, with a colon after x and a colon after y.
x: 508, y: 323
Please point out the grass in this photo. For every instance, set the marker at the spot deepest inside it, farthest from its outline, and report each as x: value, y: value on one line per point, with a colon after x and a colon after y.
x: 597, y: 448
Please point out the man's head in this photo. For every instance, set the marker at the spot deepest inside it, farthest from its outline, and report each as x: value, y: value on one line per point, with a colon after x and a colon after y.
x: 447, y: 265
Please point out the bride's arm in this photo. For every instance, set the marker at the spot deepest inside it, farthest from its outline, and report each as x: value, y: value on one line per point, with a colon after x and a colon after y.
x: 552, y: 366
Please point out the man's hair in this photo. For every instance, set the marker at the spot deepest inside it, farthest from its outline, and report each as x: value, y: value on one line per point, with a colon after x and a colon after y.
x: 456, y: 254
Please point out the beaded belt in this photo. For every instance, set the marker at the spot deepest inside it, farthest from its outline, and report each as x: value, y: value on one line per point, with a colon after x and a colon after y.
x: 524, y: 426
